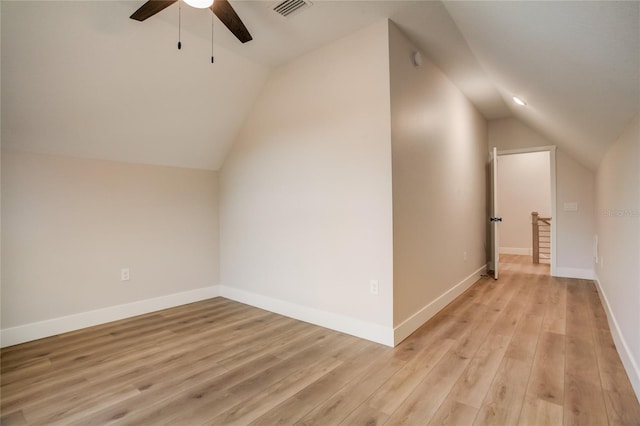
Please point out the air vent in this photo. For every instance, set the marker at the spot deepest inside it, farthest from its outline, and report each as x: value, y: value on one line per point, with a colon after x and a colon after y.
x: 288, y: 7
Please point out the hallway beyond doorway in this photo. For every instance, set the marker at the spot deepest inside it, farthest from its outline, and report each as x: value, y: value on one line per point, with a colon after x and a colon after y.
x: 522, y: 264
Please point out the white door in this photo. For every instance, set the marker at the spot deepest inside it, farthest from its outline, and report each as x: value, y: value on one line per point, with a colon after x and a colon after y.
x: 495, y: 218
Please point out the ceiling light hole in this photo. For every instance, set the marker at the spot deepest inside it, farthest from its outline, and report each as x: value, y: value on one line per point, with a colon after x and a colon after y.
x: 519, y: 101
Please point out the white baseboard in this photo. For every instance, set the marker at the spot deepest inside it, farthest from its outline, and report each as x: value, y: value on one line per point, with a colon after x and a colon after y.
x: 629, y: 363
x: 355, y: 327
x: 414, y: 322
x: 41, y: 329
x: 524, y: 251
x: 582, y: 274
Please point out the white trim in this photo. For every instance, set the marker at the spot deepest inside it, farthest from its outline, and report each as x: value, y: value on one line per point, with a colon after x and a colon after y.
x: 349, y: 325
x: 581, y: 274
x: 524, y: 251
x: 415, y: 321
x: 550, y: 148
x: 554, y: 214
x: 47, y: 328
x: 628, y: 361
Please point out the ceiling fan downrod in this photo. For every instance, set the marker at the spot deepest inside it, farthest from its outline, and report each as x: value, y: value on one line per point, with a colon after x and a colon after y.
x: 179, y: 23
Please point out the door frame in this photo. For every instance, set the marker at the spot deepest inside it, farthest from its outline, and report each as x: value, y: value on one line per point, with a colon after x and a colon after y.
x: 494, y: 225
x: 552, y: 169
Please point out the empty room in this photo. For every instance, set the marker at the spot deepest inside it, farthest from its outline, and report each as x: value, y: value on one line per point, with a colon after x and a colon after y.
x: 320, y: 212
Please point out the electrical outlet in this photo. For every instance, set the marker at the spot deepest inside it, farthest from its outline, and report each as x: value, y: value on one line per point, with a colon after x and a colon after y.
x: 464, y: 256
x: 124, y: 274
x: 373, y: 287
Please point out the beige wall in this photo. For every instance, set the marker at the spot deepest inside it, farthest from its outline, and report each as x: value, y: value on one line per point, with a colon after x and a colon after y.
x: 574, y: 183
x: 306, y: 189
x: 69, y: 225
x: 439, y: 183
x: 523, y: 187
x: 576, y: 229
x: 618, y: 228
x: 0, y: 171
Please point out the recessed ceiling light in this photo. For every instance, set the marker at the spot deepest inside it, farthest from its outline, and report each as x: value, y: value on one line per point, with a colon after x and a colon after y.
x: 519, y: 101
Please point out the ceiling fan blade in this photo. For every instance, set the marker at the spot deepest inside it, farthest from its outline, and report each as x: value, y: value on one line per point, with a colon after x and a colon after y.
x: 229, y: 17
x: 150, y: 8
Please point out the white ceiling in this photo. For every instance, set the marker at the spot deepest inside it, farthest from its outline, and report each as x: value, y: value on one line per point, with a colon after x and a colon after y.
x: 577, y: 64
x: 129, y: 95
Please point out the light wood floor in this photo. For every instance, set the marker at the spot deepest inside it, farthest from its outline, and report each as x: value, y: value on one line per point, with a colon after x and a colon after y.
x: 526, y: 349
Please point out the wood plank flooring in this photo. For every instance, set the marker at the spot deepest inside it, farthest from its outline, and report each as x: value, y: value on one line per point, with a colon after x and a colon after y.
x: 525, y: 350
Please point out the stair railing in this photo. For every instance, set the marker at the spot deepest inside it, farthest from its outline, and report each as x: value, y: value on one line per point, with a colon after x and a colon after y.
x: 541, y: 227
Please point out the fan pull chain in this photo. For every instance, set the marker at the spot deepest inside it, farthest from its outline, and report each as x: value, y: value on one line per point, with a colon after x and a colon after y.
x: 179, y: 23
x: 212, y: 59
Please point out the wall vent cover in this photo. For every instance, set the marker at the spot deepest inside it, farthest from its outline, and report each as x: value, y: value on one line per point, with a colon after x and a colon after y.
x: 288, y: 7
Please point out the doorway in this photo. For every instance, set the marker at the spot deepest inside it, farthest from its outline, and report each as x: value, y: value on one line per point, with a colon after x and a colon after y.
x: 526, y: 183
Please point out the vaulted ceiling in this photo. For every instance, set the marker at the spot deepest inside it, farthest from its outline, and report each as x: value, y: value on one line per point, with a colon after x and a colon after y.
x: 81, y: 79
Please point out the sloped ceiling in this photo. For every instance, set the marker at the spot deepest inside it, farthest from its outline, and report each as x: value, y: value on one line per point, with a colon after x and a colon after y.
x: 80, y: 78
x: 577, y: 64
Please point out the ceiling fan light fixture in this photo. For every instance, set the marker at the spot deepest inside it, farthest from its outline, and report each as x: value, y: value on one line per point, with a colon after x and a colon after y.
x: 199, y: 4
x: 519, y: 101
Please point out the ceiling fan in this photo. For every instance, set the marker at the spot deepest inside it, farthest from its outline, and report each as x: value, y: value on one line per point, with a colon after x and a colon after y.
x: 221, y: 8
